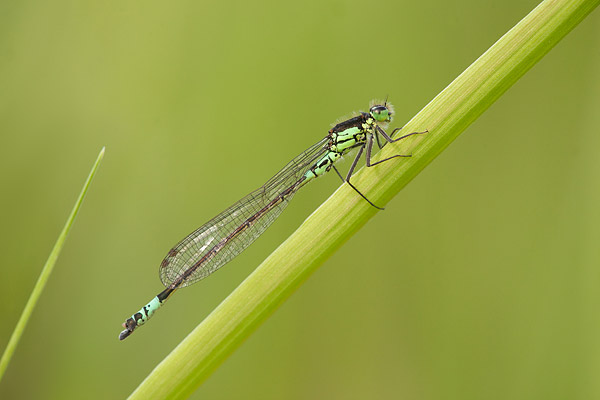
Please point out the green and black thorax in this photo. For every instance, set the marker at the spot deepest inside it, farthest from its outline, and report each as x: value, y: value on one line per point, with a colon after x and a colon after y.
x: 347, y: 135
x: 351, y: 133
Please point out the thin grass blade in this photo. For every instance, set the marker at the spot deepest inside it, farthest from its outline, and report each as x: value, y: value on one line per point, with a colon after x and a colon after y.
x: 45, y: 274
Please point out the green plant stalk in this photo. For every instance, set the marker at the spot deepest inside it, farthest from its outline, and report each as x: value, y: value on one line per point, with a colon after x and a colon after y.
x: 46, y: 271
x: 446, y: 116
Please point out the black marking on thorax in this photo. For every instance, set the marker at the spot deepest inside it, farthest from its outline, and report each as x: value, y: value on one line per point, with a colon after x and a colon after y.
x: 357, y: 122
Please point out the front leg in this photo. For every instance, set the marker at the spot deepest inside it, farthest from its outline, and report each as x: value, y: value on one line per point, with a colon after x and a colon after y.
x: 390, y: 140
x: 378, y: 141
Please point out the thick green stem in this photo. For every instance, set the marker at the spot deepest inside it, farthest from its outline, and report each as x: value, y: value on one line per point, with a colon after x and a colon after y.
x: 446, y: 116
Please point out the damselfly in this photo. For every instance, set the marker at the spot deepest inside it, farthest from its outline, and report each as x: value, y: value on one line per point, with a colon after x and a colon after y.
x: 225, y: 236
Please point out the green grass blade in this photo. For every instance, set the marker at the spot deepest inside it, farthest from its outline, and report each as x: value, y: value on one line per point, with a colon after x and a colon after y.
x: 446, y: 116
x: 45, y: 274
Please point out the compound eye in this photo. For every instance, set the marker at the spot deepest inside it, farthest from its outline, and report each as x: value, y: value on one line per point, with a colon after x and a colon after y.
x: 380, y: 113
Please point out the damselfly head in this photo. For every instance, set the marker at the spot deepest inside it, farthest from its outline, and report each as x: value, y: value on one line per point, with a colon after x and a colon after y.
x: 381, y: 112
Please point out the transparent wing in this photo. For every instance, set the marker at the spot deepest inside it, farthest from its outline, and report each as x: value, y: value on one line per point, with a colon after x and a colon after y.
x: 225, y: 236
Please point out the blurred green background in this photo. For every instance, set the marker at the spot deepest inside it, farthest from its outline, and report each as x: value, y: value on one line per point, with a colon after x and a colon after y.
x: 480, y: 280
